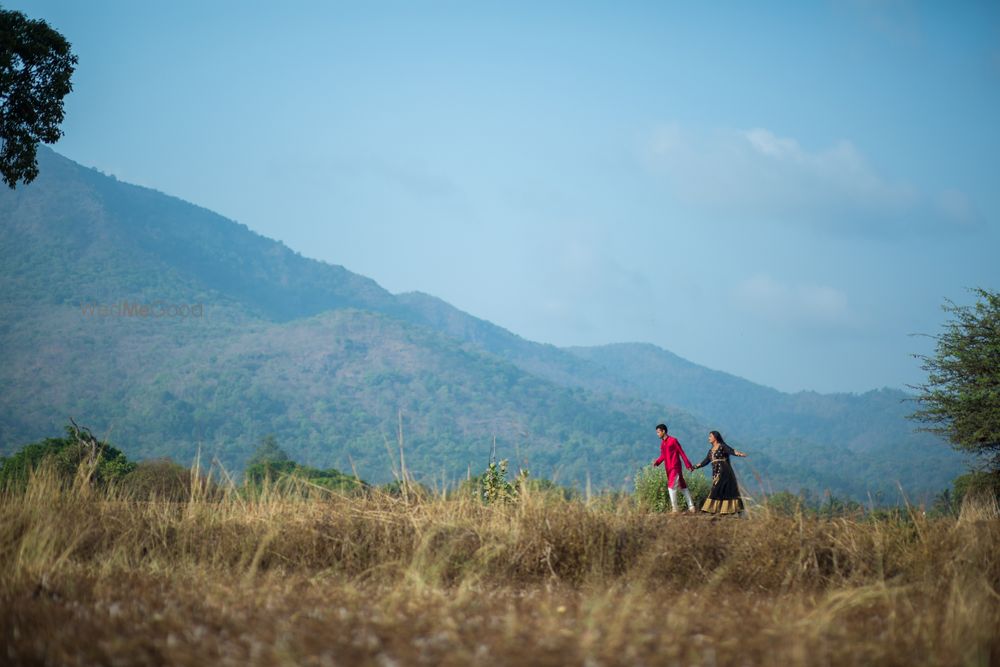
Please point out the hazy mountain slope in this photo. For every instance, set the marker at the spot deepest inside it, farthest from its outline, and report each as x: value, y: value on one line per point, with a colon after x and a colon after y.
x: 544, y: 360
x: 867, y: 435
x: 844, y: 432
x: 125, y: 241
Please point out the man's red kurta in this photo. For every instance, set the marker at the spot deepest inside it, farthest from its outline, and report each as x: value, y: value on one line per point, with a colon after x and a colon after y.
x: 671, y: 454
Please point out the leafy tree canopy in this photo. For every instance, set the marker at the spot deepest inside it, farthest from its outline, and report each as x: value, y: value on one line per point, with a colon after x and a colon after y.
x: 67, y: 455
x: 961, y: 398
x: 36, y: 65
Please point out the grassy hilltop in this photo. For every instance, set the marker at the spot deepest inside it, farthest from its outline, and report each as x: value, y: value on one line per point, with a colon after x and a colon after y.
x: 310, y: 577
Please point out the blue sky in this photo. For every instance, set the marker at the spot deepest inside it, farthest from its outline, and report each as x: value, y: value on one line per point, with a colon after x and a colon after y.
x: 784, y: 191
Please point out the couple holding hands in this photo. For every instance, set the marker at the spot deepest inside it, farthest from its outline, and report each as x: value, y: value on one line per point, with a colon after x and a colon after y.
x: 724, y: 498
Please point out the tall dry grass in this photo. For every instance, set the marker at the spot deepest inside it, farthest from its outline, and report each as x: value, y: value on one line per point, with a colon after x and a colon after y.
x: 314, y: 578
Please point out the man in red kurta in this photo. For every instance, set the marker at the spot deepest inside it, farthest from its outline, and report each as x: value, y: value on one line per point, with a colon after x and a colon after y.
x: 671, y: 454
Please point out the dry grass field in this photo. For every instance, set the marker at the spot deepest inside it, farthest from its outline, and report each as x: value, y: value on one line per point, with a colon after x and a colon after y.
x: 94, y: 578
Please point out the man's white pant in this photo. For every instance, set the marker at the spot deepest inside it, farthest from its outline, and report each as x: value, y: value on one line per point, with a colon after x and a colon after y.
x: 673, y: 498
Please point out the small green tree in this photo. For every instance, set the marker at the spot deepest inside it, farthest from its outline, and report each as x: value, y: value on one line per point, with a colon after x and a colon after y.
x: 268, y: 461
x: 961, y: 398
x: 36, y: 66
x: 268, y: 451
x: 493, y: 486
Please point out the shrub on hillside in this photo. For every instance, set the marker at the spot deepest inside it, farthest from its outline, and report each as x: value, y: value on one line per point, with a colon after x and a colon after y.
x: 975, y: 486
x: 651, y: 489
x: 79, y: 450
x: 977, y: 483
x: 271, y: 465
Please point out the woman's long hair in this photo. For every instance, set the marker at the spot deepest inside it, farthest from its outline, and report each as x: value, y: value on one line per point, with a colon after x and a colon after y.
x: 718, y: 438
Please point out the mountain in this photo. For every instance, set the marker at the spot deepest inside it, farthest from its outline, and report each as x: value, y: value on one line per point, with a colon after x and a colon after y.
x: 326, y: 359
x: 321, y: 357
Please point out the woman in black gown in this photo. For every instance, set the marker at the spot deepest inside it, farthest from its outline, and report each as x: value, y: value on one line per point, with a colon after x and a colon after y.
x: 724, y: 498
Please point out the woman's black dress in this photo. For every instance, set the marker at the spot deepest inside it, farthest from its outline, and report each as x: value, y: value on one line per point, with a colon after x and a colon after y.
x: 724, y: 498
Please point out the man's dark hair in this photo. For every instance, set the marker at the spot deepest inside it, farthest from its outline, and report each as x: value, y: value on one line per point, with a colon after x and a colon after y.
x: 663, y: 426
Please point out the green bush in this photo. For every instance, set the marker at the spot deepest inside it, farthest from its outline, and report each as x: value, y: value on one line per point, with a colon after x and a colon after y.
x: 975, y: 485
x: 651, y: 489
x: 105, y: 464
x: 271, y: 464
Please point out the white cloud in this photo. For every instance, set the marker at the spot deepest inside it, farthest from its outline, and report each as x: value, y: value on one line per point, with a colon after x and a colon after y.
x: 757, y: 173
x: 799, y: 305
x: 768, y: 144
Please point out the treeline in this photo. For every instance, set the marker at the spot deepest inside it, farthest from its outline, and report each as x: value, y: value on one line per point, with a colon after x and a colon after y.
x: 82, y: 457
x: 81, y: 454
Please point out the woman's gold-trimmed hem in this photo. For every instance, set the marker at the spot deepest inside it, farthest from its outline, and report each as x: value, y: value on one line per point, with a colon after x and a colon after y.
x: 723, y: 506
